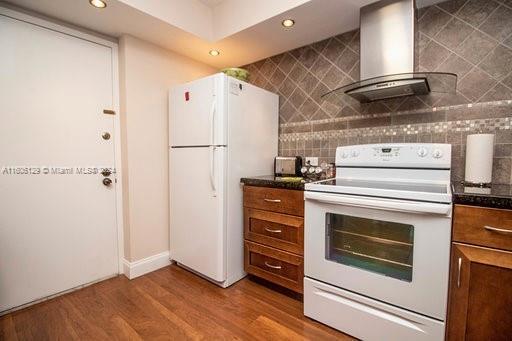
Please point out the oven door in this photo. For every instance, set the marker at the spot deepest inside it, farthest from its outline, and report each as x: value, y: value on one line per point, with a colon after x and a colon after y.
x: 391, y: 250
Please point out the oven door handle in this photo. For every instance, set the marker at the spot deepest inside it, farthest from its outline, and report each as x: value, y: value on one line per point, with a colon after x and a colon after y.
x: 380, y: 204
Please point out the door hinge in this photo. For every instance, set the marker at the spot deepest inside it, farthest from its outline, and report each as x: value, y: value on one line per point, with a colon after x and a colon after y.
x: 109, y: 112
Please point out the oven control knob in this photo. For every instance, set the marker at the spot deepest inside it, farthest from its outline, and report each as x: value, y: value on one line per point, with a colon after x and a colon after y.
x: 422, y: 152
x: 355, y: 153
x: 344, y: 155
x: 437, y: 154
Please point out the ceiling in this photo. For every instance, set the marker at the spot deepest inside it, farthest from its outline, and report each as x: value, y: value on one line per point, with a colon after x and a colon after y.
x: 243, y: 31
x: 211, y: 3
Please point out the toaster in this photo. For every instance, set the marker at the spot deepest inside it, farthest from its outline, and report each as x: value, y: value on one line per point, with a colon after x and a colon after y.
x: 287, y: 165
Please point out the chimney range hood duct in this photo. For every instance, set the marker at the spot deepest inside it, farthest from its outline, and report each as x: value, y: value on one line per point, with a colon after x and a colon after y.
x: 387, y: 57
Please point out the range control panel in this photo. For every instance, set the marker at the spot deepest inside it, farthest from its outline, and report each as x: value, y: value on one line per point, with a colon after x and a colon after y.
x: 399, y: 155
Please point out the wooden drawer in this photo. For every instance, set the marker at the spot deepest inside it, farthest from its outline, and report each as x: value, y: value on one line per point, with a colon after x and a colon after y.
x: 275, y: 199
x: 277, y: 230
x: 477, y: 225
x: 276, y: 266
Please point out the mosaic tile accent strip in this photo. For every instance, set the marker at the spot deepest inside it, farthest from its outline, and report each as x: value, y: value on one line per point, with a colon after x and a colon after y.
x: 502, y: 108
x: 474, y: 126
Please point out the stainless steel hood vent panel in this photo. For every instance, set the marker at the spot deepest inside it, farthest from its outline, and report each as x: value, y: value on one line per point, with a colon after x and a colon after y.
x: 402, y: 84
x: 401, y: 87
x: 387, y: 60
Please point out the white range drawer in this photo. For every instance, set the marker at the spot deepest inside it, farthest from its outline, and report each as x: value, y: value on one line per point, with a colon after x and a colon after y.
x: 365, y: 318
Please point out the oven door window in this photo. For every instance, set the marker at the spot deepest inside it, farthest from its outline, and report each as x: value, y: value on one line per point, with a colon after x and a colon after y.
x: 378, y: 246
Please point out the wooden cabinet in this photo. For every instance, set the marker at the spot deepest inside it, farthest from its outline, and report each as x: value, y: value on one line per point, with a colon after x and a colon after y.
x: 274, y: 265
x: 480, y: 301
x: 274, y: 235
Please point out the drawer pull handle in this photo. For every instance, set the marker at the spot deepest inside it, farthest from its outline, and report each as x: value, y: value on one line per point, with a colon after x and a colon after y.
x: 272, y: 231
x: 495, y: 229
x: 458, y: 272
x: 278, y: 267
x: 272, y: 200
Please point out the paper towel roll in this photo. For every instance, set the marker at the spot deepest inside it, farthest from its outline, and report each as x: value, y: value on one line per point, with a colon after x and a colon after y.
x: 479, y: 154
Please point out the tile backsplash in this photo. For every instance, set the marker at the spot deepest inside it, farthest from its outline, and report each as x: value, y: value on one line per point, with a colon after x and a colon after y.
x: 471, y: 38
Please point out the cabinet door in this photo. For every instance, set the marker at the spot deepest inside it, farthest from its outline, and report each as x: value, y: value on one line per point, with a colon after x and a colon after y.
x: 480, y: 303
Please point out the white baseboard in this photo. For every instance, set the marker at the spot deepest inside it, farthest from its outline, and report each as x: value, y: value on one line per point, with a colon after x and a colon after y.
x: 143, y: 266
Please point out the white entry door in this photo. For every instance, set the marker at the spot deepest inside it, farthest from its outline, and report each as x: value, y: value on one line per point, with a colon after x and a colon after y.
x: 57, y: 227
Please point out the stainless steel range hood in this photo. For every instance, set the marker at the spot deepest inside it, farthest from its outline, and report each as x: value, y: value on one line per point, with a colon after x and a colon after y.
x: 387, y: 61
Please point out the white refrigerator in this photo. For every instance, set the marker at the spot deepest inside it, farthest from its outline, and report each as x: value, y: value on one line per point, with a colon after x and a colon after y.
x: 220, y: 130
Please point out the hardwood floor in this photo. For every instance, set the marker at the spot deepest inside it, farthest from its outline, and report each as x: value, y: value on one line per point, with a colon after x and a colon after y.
x: 170, y: 303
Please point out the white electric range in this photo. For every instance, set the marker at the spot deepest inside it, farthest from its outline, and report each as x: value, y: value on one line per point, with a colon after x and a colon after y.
x: 377, y: 242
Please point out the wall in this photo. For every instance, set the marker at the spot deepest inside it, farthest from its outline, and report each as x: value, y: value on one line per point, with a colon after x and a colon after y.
x: 146, y: 74
x: 470, y: 38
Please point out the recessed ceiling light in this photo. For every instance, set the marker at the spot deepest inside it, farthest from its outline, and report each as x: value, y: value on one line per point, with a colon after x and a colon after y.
x: 214, y: 52
x: 288, y: 22
x: 98, y: 3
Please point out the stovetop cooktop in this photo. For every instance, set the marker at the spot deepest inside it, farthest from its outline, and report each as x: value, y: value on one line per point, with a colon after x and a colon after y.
x: 407, y: 190
x: 389, y: 185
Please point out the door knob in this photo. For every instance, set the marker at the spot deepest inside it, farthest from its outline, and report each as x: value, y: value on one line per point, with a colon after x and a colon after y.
x: 106, y: 172
x: 107, y: 182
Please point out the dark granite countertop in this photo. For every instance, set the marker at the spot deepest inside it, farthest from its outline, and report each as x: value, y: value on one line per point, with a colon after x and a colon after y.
x: 497, y: 196
x: 275, y: 182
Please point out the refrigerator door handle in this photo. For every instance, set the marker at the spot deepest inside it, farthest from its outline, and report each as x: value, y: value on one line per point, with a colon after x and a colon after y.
x: 212, y: 123
x: 212, y: 170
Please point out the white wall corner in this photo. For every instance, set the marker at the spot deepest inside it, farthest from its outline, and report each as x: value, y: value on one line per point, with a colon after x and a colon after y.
x: 146, y: 265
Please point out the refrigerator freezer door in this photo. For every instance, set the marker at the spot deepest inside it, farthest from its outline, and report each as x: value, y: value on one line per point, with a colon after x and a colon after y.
x: 196, y: 112
x: 197, y: 210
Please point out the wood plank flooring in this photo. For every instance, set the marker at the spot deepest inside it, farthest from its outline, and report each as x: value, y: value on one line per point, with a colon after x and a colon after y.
x: 168, y: 304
